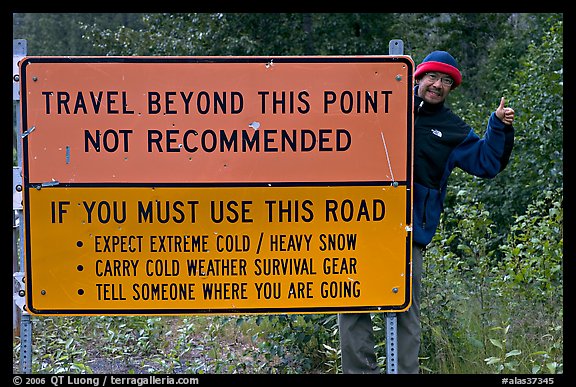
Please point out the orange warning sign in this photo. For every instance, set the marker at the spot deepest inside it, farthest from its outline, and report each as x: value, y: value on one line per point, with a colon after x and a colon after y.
x: 162, y: 185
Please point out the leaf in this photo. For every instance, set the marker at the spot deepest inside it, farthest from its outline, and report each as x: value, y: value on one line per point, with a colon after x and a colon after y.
x: 492, y: 360
x: 511, y: 365
x: 514, y: 352
x: 496, y: 343
x: 538, y: 353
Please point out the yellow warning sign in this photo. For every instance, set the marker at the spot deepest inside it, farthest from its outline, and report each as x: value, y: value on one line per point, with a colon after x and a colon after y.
x: 207, y: 249
x: 217, y: 185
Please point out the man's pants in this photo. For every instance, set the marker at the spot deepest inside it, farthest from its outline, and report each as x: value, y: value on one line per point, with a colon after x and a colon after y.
x: 357, y: 337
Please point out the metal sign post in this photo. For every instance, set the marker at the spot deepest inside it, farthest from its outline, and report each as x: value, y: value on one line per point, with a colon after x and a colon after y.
x: 19, y: 308
x: 395, y: 47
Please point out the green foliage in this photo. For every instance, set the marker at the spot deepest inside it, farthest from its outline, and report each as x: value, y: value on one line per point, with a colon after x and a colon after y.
x: 468, y: 291
x: 67, y: 344
x: 504, y: 360
x: 539, y: 96
x: 295, y: 342
x: 535, y: 92
x: 456, y: 291
x: 533, y: 254
x: 61, y: 34
x: 254, y: 34
x: 199, y: 345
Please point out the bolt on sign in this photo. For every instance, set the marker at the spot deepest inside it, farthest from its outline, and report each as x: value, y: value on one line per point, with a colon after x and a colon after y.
x: 217, y: 185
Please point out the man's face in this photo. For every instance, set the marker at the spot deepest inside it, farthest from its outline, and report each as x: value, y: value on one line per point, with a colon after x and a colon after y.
x: 434, y: 87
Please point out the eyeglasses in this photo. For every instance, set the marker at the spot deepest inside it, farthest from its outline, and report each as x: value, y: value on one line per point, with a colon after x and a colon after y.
x: 433, y: 77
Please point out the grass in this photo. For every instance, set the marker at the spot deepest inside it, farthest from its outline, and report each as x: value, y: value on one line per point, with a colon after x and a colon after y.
x: 527, y: 343
x: 141, y: 344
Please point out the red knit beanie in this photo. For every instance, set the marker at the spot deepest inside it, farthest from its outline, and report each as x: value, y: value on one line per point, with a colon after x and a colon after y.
x: 442, y: 62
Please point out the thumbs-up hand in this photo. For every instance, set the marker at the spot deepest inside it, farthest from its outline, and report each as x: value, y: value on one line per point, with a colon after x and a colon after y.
x: 505, y: 114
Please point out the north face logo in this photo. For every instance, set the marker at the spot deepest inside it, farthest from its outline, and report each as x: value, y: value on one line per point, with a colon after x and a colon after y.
x: 436, y: 132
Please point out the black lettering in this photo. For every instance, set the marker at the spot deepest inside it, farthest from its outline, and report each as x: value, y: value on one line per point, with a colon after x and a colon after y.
x: 153, y: 103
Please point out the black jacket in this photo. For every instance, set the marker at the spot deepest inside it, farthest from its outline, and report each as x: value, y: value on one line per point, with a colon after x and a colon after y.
x: 443, y: 141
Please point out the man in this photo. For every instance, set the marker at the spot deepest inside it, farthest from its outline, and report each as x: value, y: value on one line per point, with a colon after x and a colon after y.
x: 442, y: 141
